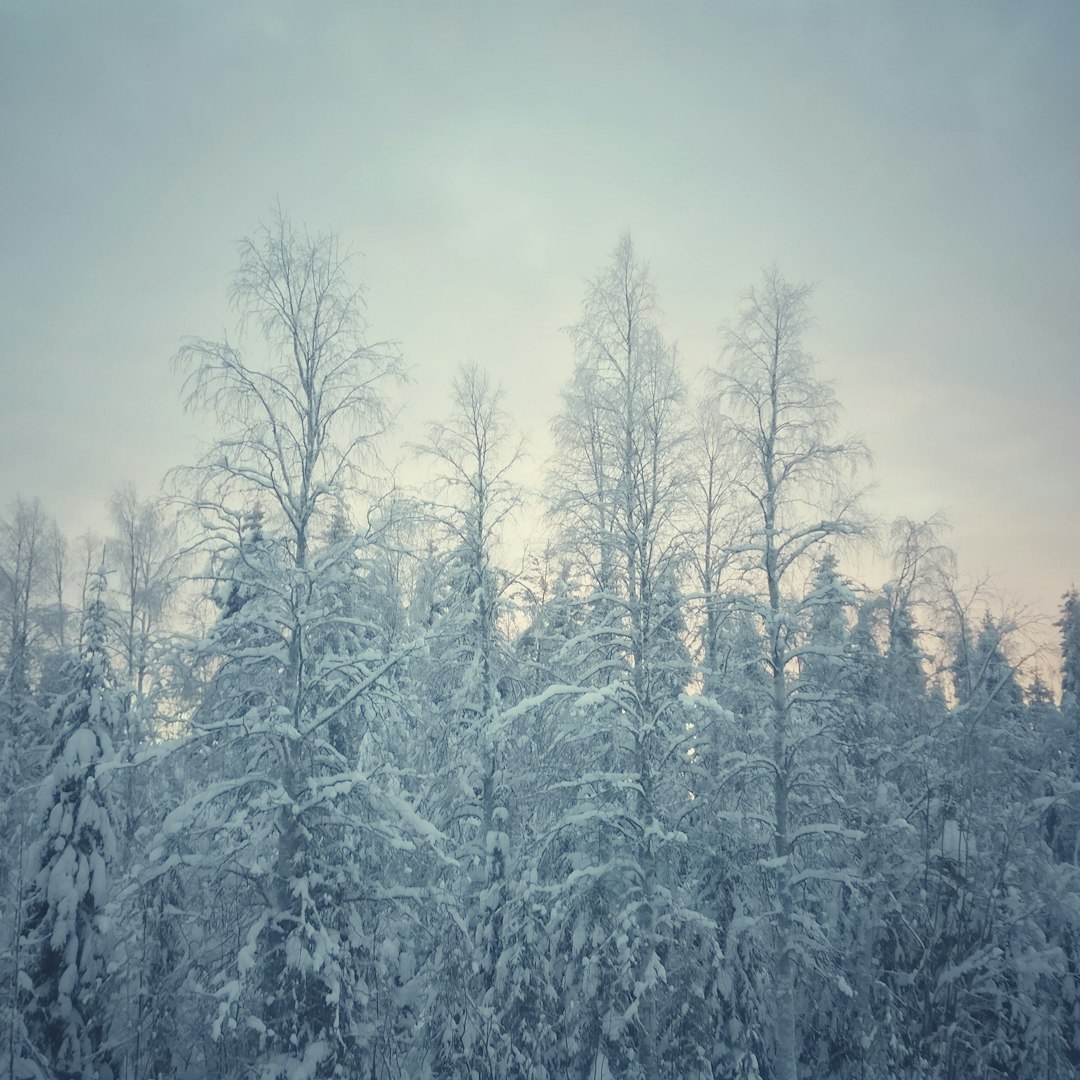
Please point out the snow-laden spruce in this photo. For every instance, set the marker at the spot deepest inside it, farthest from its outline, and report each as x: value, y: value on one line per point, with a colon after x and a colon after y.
x: 67, y: 939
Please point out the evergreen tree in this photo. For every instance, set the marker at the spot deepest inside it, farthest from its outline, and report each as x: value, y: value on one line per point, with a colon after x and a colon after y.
x: 66, y: 929
x: 1061, y: 729
x: 1069, y: 624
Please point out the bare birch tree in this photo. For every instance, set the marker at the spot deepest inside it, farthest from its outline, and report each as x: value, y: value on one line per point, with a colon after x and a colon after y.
x: 619, y: 497
x: 791, y: 470
x: 298, y: 679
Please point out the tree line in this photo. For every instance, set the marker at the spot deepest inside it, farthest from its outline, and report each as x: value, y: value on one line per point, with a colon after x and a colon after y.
x: 300, y: 780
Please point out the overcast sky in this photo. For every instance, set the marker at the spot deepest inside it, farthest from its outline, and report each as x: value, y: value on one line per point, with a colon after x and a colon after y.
x: 919, y: 161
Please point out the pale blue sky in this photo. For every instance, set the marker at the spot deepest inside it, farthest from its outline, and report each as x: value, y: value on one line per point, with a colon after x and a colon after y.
x: 919, y: 161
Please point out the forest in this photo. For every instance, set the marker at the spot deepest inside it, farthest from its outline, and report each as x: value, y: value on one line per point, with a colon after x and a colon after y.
x: 302, y: 776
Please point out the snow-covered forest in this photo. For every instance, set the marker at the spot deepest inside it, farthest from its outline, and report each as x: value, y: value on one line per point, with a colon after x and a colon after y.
x: 305, y: 773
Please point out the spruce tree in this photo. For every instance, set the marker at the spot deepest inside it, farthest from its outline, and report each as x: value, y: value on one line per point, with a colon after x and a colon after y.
x: 66, y: 929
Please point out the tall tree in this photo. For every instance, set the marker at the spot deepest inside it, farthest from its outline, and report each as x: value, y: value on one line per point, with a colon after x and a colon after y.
x: 144, y: 549
x: 301, y: 709
x: 31, y: 634
x: 791, y: 469
x: 33, y: 667
x: 1069, y: 624
x: 715, y: 527
x: 65, y: 929
x: 471, y: 455
x: 23, y: 583
x: 618, y: 761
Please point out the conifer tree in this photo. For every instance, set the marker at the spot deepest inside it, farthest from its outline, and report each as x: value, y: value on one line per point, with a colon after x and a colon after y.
x: 1069, y: 624
x: 66, y: 930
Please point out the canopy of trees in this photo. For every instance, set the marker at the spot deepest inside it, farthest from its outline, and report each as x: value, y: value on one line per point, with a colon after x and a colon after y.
x: 301, y: 779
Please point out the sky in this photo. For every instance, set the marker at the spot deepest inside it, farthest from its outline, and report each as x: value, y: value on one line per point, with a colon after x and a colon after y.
x: 918, y: 162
